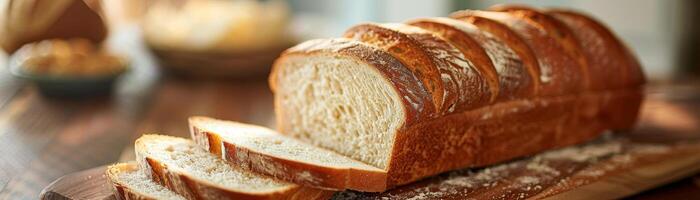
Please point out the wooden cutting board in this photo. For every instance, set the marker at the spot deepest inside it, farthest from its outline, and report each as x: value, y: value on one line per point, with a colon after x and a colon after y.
x: 664, y: 148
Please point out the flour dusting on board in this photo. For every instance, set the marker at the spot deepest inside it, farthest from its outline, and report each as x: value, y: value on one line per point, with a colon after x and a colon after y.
x: 521, y: 179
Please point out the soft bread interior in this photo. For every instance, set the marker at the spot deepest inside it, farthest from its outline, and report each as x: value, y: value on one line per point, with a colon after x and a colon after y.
x: 338, y: 103
x: 183, y: 156
x: 269, y: 142
x: 129, y: 176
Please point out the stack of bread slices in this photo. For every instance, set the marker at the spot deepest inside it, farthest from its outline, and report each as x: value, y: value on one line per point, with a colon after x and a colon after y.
x: 177, y: 168
x: 389, y: 104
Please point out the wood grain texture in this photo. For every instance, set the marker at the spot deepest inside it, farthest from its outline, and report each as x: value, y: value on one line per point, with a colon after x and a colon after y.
x: 28, y: 124
x: 663, y: 149
x: 620, y: 168
x: 175, y: 100
x: 8, y: 84
x: 81, y: 137
x: 688, y: 187
x: 566, y: 179
x: 91, y: 184
x: 45, y: 138
x: 636, y: 179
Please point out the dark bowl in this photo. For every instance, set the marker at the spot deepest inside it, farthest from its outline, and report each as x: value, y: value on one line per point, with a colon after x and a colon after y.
x: 65, y: 86
x: 217, y: 65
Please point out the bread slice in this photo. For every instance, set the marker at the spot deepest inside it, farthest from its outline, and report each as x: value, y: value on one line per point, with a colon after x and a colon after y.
x: 409, y: 52
x: 462, y: 85
x: 564, y: 37
x: 610, y: 61
x: 265, y: 151
x: 491, y: 55
x: 470, y: 50
x: 559, y: 72
x: 185, y: 168
x: 598, y: 41
x: 131, y: 183
x: 516, y: 43
x: 340, y: 77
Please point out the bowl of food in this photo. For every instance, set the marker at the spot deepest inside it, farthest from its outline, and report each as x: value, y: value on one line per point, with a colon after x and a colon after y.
x: 217, y: 39
x: 68, y: 68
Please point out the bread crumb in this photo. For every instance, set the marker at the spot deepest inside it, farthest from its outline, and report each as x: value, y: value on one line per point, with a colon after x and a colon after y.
x: 592, y: 173
x: 528, y: 180
x: 650, y: 148
x: 539, y: 167
x: 459, y: 181
x: 585, y: 153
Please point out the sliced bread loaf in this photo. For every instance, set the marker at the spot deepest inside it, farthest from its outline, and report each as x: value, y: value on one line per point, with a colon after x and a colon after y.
x: 185, y: 168
x: 263, y: 150
x: 389, y: 95
x: 131, y: 183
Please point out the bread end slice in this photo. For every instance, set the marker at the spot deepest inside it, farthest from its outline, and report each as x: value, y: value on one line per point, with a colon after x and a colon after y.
x: 347, y: 96
x: 265, y: 151
x: 185, y: 168
x: 130, y: 183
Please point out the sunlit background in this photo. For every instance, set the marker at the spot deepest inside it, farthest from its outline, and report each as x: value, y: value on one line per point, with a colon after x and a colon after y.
x: 664, y: 34
x: 660, y: 32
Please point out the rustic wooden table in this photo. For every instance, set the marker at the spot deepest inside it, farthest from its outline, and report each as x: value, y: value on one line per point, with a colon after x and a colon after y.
x: 42, y: 138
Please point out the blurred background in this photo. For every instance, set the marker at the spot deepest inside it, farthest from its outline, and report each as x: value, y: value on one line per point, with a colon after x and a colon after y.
x: 248, y: 34
x: 121, y: 68
x: 664, y: 34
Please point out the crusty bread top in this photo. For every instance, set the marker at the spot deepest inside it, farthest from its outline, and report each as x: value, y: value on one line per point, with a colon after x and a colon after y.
x: 128, y: 176
x: 509, y: 38
x: 557, y: 30
x: 494, y: 59
x: 183, y: 157
x: 608, y: 57
x: 462, y: 86
x: 465, y: 86
x: 560, y: 74
x: 470, y: 49
x: 409, y: 52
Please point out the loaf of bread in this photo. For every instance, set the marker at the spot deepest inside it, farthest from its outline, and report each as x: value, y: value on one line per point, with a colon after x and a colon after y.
x: 24, y: 22
x: 437, y: 94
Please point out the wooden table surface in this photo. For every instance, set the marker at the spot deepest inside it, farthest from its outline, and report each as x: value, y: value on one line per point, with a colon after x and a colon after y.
x: 44, y: 138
